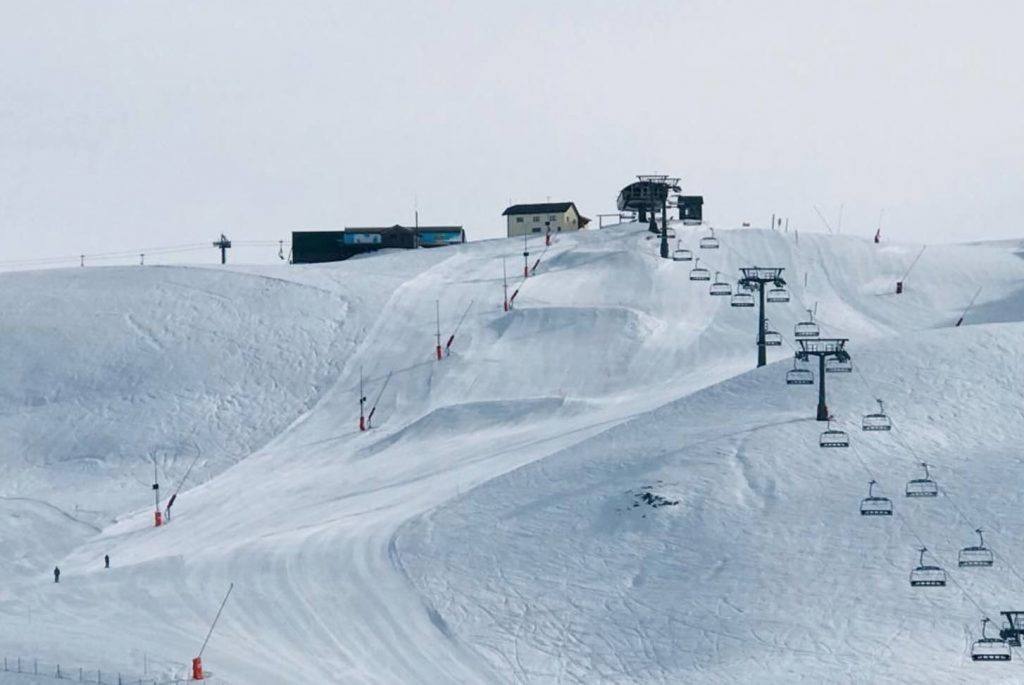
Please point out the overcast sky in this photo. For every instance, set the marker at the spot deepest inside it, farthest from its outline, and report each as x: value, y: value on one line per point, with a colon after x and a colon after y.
x: 137, y: 124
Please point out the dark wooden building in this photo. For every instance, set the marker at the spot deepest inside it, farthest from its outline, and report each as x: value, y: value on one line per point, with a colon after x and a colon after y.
x: 310, y: 247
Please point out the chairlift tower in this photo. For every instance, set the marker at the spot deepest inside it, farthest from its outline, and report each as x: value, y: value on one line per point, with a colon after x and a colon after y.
x: 755, y: 278
x: 668, y: 183
x: 223, y: 244
x: 822, y: 348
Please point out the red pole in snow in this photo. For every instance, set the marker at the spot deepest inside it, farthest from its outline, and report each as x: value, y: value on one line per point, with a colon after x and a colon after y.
x: 438, y: 303
x: 526, y: 259
x: 362, y: 402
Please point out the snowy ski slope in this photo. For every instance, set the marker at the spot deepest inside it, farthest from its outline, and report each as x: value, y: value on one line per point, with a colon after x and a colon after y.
x: 485, y: 529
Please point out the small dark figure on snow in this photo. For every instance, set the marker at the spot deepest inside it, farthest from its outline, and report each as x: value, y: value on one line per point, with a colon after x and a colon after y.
x: 106, y: 561
x: 56, y: 574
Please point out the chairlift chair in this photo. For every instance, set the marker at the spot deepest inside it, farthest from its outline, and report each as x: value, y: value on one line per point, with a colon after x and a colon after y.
x: 799, y: 376
x: 741, y: 298
x: 807, y: 329
x: 877, y: 421
x: 777, y: 295
x: 923, y: 487
x: 978, y: 556
x: 927, y: 575
x: 989, y: 648
x: 699, y: 273
x: 720, y: 288
x: 875, y: 506
x: 834, y: 365
x: 681, y: 254
x: 833, y: 437
x: 1014, y: 627
x: 709, y: 242
x: 771, y: 338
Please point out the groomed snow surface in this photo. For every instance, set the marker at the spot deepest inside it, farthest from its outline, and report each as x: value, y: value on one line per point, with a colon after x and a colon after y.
x: 594, y: 487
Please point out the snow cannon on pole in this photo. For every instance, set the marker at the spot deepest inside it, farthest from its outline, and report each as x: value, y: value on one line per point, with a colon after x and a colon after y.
x: 451, y: 338
x: 197, y: 662
x: 373, y: 409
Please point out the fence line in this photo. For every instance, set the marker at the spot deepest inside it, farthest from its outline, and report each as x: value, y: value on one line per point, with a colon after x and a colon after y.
x: 57, y: 671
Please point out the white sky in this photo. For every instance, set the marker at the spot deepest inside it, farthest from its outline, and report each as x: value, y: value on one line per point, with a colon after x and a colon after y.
x: 138, y: 124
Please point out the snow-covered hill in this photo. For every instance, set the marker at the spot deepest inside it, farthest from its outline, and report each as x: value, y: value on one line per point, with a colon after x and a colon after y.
x: 485, y: 529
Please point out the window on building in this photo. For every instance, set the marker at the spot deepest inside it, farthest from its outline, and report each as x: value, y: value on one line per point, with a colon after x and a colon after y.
x: 536, y: 218
x: 552, y: 217
x: 536, y: 229
x: 519, y: 219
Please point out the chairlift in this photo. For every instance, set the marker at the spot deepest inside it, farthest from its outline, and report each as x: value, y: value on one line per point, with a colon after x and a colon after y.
x: 877, y: 421
x: 741, y: 298
x: 976, y: 556
x: 799, y: 376
x: 777, y: 294
x: 833, y: 365
x: 681, y: 254
x: 709, y: 242
x: 989, y: 648
x: 833, y: 437
x: 875, y: 506
x: 699, y: 273
x: 720, y: 288
x: 923, y: 487
x: 926, y: 575
x: 771, y: 338
x: 807, y: 329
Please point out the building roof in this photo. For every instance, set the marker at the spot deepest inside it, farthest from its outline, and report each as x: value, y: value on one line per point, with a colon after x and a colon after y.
x: 541, y: 208
x: 399, y: 227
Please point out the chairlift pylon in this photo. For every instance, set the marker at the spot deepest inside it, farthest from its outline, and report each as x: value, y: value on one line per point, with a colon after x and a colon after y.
x: 977, y: 556
x: 923, y: 487
x: 709, y: 242
x: 808, y: 328
x: 989, y: 648
x: 799, y: 376
x: 699, y: 273
x: 873, y: 505
x: 833, y: 437
x: 720, y: 288
x: 877, y: 421
x: 927, y: 575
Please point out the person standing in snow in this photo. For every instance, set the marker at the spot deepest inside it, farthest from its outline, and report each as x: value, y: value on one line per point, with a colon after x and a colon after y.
x: 106, y: 561
x: 56, y: 574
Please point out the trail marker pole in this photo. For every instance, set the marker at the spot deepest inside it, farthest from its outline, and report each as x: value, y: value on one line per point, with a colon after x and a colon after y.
x: 197, y: 662
x: 438, y: 321
x: 157, y: 514
x: 362, y: 402
x: 526, y: 259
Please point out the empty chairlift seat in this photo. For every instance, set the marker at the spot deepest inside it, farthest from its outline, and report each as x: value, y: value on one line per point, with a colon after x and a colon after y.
x: 681, y: 254
x: 799, y: 376
x: 699, y: 273
x: 720, y: 288
x: 709, y: 242
x: 977, y: 556
x: 926, y: 575
x: 771, y: 338
x: 877, y: 421
x: 923, y: 487
x: 833, y: 365
x: 777, y: 295
x: 989, y: 648
x: 808, y: 328
x: 833, y: 437
x: 741, y: 298
x: 873, y: 505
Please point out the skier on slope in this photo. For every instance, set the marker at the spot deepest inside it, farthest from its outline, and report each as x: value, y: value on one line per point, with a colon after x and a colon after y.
x: 106, y: 561
x: 56, y: 574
